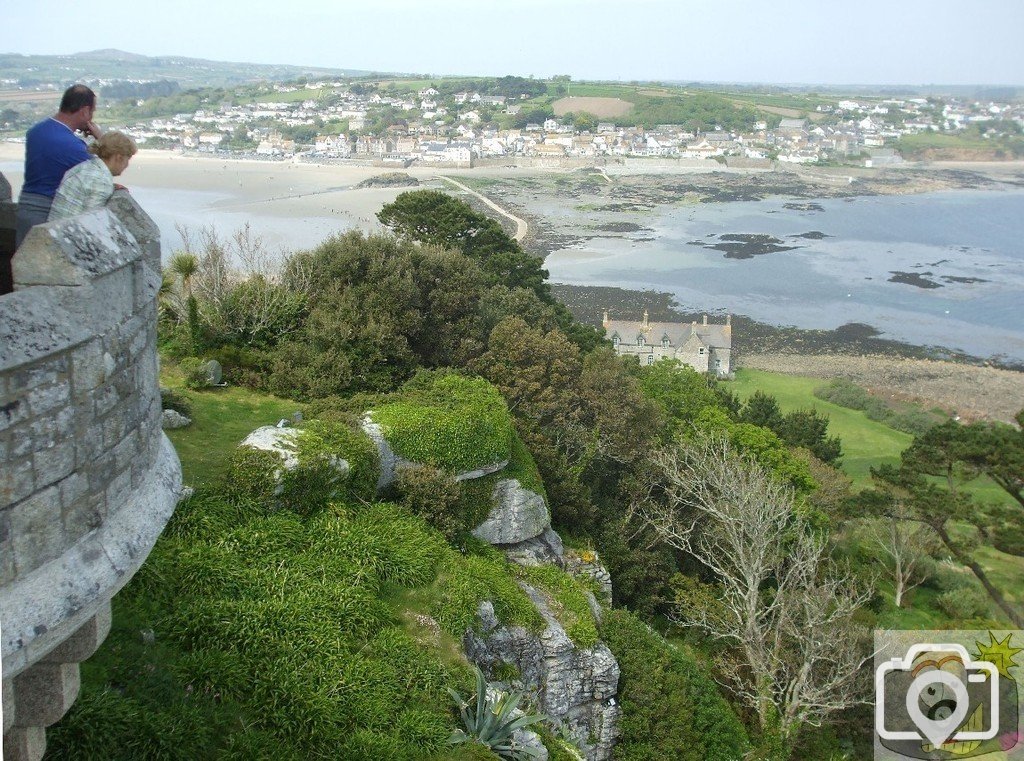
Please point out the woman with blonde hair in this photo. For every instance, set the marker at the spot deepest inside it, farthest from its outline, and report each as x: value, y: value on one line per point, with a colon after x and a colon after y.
x: 90, y: 185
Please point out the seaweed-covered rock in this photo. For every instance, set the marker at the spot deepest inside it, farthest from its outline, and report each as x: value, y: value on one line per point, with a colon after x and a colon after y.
x: 518, y: 514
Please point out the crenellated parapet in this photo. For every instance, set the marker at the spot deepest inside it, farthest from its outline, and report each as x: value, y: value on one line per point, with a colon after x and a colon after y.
x: 87, y: 478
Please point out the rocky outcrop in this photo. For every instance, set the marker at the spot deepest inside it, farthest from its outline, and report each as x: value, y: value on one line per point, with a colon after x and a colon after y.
x: 390, y: 462
x: 172, y: 419
x: 587, y: 564
x: 574, y: 686
x: 284, y: 442
x: 518, y: 514
x: 543, y: 549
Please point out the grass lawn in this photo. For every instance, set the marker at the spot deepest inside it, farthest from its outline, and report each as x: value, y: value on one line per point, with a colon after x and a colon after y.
x: 221, y: 418
x: 865, y: 442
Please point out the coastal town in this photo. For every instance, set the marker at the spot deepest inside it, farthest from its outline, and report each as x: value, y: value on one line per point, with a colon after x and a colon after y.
x: 339, y: 120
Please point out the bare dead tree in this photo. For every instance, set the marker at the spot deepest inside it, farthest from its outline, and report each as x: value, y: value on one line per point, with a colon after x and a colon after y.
x: 796, y: 655
x: 906, y: 544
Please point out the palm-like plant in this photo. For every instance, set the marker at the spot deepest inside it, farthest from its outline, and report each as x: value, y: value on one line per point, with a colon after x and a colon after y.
x: 492, y: 723
x: 185, y: 266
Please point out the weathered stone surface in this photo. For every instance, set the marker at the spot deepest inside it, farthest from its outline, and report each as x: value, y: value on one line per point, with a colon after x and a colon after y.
x: 44, y: 693
x: 36, y: 323
x: 543, y: 549
x: 24, y: 744
x: 171, y: 419
x: 518, y: 514
x: 72, y: 251
x: 588, y: 565
x: 45, y: 606
x: 573, y: 686
x: 280, y: 441
x: 484, y: 470
x: 389, y: 461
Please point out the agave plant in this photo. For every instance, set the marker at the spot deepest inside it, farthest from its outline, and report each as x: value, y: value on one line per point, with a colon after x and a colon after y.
x: 492, y: 723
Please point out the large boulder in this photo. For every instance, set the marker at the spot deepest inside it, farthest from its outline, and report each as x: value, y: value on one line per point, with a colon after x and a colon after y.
x: 518, y: 514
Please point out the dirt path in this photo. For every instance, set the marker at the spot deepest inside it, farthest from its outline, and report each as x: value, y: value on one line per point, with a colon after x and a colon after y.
x: 973, y: 392
x: 521, y: 227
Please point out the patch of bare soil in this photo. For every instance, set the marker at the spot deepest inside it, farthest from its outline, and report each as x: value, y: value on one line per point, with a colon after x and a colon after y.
x: 973, y: 392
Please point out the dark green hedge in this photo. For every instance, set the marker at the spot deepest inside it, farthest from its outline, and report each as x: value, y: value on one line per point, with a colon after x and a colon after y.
x: 671, y: 708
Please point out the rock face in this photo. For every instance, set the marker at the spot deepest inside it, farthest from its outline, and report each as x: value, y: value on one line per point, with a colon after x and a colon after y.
x: 588, y: 565
x: 518, y: 514
x: 575, y: 687
x: 545, y: 548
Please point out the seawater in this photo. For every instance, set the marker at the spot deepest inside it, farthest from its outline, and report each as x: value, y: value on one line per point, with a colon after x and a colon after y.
x: 970, y: 243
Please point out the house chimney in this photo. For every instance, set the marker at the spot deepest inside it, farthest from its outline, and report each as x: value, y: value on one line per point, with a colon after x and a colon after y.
x: 705, y: 320
x: 728, y: 319
x: 604, y: 321
x: 693, y: 328
x: 645, y: 318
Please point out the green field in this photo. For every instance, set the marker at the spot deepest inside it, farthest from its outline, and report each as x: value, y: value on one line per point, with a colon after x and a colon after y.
x: 909, y: 145
x: 865, y: 442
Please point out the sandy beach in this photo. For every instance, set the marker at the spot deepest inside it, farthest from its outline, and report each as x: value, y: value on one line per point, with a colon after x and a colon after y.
x: 292, y: 205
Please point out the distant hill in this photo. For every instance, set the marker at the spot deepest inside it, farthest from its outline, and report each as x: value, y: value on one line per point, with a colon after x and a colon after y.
x: 34, y: 70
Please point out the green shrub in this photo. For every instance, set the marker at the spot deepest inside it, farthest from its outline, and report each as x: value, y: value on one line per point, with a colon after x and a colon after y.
x: 845, y: 393
x: 175, y: 400
x: 432, y: 494
x: 670, y: 707
x: 963, y: 603
x: 1009, y: 538
x: 448, y: 421
x: 194, y: 370
x: 522, y: 467
x: 467, y: 580
x: 258, y: 475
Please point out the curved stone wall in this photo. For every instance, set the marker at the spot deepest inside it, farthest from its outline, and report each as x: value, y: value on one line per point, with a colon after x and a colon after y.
x: 87, y: 478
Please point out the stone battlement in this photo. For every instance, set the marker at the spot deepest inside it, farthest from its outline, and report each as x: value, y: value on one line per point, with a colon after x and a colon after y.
x: 87, y: 478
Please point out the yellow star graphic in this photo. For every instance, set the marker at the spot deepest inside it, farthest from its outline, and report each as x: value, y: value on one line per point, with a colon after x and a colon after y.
x: 999, y: 653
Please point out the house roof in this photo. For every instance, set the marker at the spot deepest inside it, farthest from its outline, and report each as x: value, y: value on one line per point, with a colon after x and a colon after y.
x: 715, y: 336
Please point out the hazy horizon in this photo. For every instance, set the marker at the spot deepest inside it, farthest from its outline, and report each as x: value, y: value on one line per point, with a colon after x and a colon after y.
x: 880, y: 44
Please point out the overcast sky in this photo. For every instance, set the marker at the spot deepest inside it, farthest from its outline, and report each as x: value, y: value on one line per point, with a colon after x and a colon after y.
x: 787, y: 41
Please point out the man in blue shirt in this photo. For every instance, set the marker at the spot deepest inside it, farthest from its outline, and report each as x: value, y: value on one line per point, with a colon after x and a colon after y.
x: 51, y: 149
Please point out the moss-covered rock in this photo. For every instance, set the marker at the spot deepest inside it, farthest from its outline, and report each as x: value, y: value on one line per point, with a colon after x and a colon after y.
x: 448, y: 421
x: 305, y: 468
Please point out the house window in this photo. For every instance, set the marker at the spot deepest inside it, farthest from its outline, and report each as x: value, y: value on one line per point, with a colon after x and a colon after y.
x: 615, y: 340
x: 701, y: 350
x: 650, y: 359
x: 718, y: 363
x: 664, y: 341
x: 640, y: 341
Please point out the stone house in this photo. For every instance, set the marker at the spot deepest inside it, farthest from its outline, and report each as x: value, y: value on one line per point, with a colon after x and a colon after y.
x: 704, y: 347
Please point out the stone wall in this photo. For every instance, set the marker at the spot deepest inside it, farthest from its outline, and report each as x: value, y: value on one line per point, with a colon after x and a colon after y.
x: 87, y: 478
